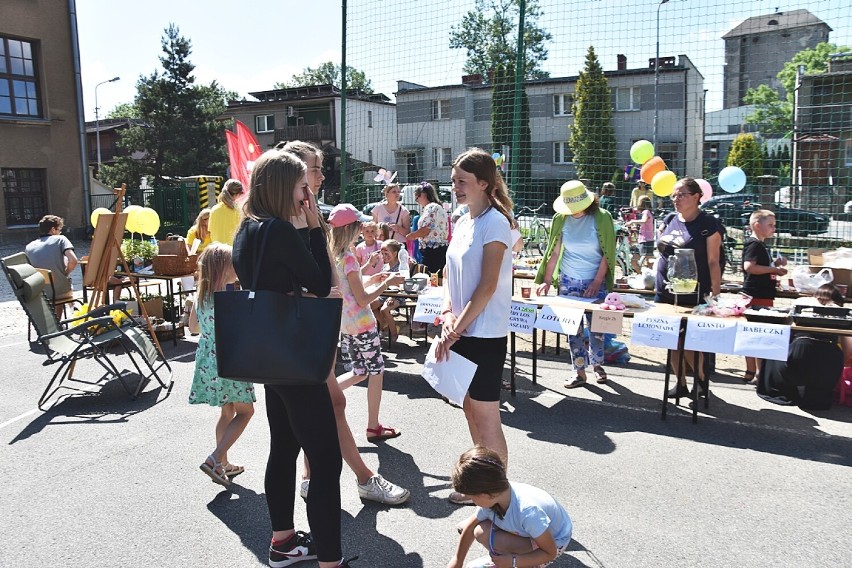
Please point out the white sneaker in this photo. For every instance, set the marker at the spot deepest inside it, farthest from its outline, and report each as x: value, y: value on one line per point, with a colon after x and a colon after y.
x: 381, y: 490
x: 303, y: 488
x: 484, y: 562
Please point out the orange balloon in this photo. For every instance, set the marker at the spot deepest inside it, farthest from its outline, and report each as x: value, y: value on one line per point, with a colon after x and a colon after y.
x: 651, y: 168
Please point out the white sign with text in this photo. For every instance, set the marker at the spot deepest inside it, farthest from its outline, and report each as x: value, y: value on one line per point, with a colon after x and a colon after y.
x: 428, y: 308
x: 521, y: 317
x: 711, y: 335
x: 655, y: 330
x: 762, y: 340
x: 559, y: 319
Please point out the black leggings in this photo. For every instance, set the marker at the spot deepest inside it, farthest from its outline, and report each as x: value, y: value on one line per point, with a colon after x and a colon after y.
x: 303, y: 417
x: 434, y: 258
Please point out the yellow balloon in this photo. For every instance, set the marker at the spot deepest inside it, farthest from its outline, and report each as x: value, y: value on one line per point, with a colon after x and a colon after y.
x: 132, y: 216
x: 148, y: 221
x: 97, y: 213
x: 663, y: 183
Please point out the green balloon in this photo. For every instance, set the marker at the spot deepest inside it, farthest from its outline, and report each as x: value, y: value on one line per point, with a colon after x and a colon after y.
x: 641, y: 151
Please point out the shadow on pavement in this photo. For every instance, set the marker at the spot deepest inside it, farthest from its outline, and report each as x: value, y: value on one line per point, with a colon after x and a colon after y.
x: 586, y: 423
x: 109, y: 404
x: 244, y: 512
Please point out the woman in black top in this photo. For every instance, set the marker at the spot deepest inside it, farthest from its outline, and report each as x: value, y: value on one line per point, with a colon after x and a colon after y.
x: 300, y: 417
x: 691, y: 228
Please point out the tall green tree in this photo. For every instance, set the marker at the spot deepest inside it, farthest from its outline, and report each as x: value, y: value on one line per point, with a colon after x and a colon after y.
x: 328, y: 73
x: 747, y: 155
x: 773, y: 114
x: 592, y: 134
x: 502, y: 124
x: 489, y: 33
x: 180, y: 135
x: 124, y: 110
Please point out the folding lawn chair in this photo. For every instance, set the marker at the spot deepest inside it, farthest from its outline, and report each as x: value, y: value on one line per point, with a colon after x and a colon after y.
x: 85, y: 336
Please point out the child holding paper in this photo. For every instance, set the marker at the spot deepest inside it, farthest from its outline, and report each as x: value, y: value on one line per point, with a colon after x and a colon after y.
x: 760, y: 273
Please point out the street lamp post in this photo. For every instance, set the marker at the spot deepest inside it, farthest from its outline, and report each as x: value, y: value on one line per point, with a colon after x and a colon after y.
x: 657, y: 75
x: 98, y: 120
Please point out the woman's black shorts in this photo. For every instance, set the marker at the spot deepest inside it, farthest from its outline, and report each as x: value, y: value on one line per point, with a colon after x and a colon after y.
x: 489, y: 354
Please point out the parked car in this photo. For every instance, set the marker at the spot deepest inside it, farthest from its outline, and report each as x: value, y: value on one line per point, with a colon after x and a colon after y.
x: 734, y: 211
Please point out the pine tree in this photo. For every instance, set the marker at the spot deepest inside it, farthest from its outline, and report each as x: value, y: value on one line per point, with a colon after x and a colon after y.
x: 746, y: 154
x: 592, y: 137
x: 180, y: 135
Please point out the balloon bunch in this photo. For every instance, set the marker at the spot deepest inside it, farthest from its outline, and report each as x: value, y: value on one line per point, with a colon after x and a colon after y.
x: 139, y: 219
x: 662, y: 180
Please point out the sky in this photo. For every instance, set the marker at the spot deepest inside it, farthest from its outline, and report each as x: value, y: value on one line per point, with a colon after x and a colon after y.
x: 251, y: 45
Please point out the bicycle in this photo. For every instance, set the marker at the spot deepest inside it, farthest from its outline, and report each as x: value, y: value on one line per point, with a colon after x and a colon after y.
x: 535, y: 234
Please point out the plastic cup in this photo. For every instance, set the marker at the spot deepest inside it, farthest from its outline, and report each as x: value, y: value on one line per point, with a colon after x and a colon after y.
x: 526, y: 292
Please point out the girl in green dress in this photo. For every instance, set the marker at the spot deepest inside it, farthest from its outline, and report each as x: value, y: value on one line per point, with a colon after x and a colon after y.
x: 236, y: 399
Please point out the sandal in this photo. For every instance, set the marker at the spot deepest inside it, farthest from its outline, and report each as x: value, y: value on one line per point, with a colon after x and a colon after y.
x: 382, y: 433
x: 216, y: 471
x: 232, y: 470
x: 748, y: 376
x: 600, y: 373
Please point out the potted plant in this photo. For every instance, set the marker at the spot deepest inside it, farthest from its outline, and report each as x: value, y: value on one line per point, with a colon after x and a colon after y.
x: 138, y: 253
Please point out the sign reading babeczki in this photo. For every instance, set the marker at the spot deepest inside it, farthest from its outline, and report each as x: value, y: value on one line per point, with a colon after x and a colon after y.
x: 521, y: 317
x: 762, y: 340
x: 712, y: 335
x: 559, y: 319
x: 656, y: 330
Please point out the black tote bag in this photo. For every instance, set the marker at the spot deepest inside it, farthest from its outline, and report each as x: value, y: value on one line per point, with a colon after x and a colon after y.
x: 273, y: 338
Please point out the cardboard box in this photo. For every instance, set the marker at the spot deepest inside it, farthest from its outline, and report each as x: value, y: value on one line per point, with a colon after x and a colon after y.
x: 154, y: 307
x: 815, y: 256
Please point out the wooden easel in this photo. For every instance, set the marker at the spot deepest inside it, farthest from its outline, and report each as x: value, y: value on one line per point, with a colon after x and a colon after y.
x: 105, y: 253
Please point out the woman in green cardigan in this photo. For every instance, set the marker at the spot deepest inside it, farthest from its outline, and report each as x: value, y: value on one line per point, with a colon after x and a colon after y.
x: 583, y: 237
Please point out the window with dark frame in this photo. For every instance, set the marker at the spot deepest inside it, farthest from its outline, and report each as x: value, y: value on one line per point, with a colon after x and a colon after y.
x: 264, y: 123
x: 19, y: 94
x: 25, y: 193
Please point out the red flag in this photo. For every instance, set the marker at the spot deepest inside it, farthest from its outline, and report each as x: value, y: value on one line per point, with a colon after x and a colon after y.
x: 248, y: 143
x: 237, y: 159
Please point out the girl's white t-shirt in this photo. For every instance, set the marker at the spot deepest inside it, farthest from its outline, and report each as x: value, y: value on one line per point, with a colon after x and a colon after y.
x: 464, y: 271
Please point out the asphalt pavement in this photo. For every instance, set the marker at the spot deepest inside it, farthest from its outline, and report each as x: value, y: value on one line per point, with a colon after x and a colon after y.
x: 100, y: 480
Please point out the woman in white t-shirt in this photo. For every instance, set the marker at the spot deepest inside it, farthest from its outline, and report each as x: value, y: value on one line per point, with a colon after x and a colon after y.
x: 393, y: 213
x: 478, y: 293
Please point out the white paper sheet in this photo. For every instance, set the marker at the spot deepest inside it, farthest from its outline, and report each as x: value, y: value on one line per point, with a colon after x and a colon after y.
x: 711, y: 335
x: 521, y: 317
x: 428, y: 308
x: 762, y: 340
x: 559, y: 319
x: 656, y: 331
x: 450, y: 377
